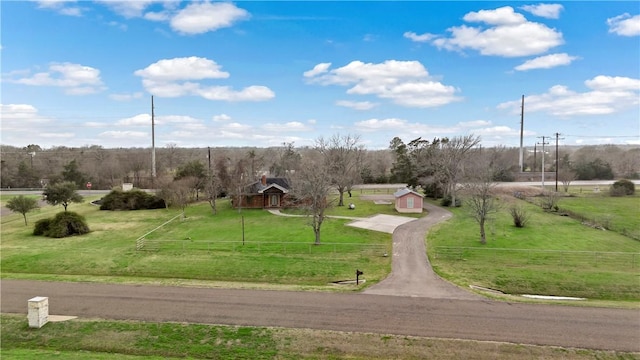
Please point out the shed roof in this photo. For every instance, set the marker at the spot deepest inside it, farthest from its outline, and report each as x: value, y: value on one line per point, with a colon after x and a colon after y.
x: 405, y: 191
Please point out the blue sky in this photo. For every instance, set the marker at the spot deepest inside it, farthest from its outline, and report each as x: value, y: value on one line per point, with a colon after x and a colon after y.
x: 78, y: 73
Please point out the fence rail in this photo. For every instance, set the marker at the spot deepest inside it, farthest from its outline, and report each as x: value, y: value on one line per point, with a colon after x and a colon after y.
x: 283, y: 248
x: 539, y: 257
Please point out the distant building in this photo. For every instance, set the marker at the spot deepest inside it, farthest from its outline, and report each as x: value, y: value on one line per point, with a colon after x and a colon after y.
x: 408, y: 201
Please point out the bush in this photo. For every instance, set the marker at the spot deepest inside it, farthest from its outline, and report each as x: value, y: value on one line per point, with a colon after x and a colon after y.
x: 66, y: 224
x: 519, y: 215
x: 41, y: 227
x: 446, y: 201
x: 622, y: 187
x: 131, y: 200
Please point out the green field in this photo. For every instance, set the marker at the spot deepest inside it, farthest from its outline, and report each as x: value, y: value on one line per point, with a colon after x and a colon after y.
x: 552, y: 255
x: 276, y: 250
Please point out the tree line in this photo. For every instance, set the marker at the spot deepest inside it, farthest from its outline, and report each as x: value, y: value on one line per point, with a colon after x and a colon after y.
x: 33, y: 166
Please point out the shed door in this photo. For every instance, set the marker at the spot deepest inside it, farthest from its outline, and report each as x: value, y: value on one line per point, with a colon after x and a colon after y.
x: 410, y: 202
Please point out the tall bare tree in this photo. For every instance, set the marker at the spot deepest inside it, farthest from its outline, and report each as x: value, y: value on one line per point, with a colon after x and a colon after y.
x: 450, y: 158
x: 480, y: 198
x: 342, y: 155
x: 311, y: 187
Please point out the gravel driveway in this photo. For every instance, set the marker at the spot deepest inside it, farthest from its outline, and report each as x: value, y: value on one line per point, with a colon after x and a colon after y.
x: 411, y: 272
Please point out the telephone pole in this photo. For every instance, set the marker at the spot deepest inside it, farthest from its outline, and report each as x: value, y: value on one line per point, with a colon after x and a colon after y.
x: 153, y: 145
x: 557, y: 162
x: 521, y: 135
x: 543, y: 144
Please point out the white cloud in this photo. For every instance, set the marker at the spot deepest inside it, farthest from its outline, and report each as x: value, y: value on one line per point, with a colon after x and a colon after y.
x: 128, y: 8
x: 16, y: 114
x: 474, y: 123
x: 225, y: 93
x: 137, y: 120
x: 607, y: 95
x: 500, y: 16
x: 426, y: 37
x: 546, y: 62
x: 172, y: 78
x: 198, y: 18
x: 549, y: 11
x: 186, y: 68
x: 317, y: 70
x: 613, y: 83
x: 509, y: 34
x: 380, y: 125
x: 119, y: 134
x: 624, y: 25
x: 221, y: 118
x: 64, y: 7
x: 76, y: 79
x: 293, y: 126
x: 126, y: 97
x: 357, y: 105
x: 406, y: 83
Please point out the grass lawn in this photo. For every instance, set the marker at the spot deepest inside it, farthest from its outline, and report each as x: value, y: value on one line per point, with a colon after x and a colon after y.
x: 552, y: 255
x: 201, y: 247
x: 129, y: 340
x: 621, y: 214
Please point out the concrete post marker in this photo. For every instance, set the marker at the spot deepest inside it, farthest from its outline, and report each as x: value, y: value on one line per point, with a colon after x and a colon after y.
x: 38, y: 314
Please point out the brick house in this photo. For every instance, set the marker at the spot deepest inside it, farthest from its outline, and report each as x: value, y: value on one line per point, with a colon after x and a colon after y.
x: 266, y: 193
x: 408, y: 201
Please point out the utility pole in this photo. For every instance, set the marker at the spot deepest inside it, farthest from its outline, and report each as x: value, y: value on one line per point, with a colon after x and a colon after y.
x: 535, y: 155
x: 153, y: 145
x: 521, y: 135
x: 543, y: 144
x: 209, y: 158
x: 557, y: 162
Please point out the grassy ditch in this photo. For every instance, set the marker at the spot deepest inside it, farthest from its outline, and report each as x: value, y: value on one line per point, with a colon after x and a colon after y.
x: 551, y: 255
x: 82, y: 339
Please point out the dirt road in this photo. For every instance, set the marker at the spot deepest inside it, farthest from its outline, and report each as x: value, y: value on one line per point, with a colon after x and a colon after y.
x: 596, y: 328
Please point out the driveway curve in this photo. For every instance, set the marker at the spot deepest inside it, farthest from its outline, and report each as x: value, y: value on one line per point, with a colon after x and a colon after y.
x: 411, y: 272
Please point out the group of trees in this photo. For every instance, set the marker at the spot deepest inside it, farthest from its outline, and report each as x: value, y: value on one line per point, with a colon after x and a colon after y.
x: 62, y: 224
x: 436, y: 166
x: 34, y: 167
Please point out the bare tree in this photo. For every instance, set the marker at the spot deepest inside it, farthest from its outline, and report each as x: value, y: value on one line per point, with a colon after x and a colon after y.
x: 212, y: 188
x: 181, y: 193
x: 311, y: 187
x: 342, y: 157
x: 480, y: 198
x: 566, y: 176
x: 450, y: 158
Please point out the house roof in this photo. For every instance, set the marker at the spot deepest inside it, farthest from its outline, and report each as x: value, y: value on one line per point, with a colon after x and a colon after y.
x: 276, y: 182
x: 405, y: 191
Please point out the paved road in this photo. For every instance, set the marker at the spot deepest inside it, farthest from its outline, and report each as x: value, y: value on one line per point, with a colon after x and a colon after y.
x: 411, y: 273
x: 612, y: 329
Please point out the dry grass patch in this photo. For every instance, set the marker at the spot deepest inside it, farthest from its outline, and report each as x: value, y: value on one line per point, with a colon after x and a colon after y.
x: 323, y: 344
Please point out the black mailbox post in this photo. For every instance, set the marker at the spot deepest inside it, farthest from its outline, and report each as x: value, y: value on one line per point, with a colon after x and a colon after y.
x: 358, y: 273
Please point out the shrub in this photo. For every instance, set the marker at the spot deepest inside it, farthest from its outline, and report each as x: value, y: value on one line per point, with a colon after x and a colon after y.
x: 519, y: 215
x: 446, y: 201
x: 41, y: 227
x: 66, y: 224
x: 622, y: 187
x: 131, y: 200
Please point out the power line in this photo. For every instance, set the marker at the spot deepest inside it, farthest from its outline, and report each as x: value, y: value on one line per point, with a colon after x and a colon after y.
x: 557, y: 162
x: 543, y: 144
